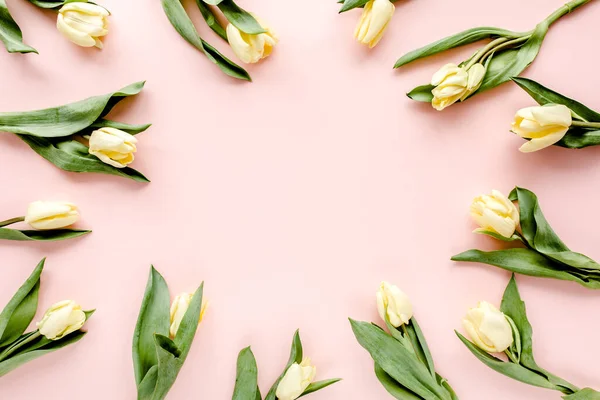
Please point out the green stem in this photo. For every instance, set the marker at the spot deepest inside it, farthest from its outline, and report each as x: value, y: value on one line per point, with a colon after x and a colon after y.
x: 483, y: 51
x: 11, y: 221
x: 592, y: 125
x: 505, y: 45
x: 16, y: 346
x: 566, y: 9
x: 511, y: 356
x: 405, y: 331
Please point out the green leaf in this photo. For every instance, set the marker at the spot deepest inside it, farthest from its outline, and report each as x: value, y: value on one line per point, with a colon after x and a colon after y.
x: 16, y: 361
x: 316, y: 386
x: 169, y: 365
x: 21, y: 309
x: 50, y: 235
x: 510, y: 63
x: 422, y: 93
x: 528, y: 262
x: 70, y: 155
x: 240, y: 18
x: 211, y: 19
x: 394, y: 388
x: 153, y: 319
x: 10, y: 33
x: 296, y: 354
x: 189, y: 324
x: 47, y: 4
x: 129, y: 128
x: 246, y: 379
x: 146, y: 388
x: 509, y: 369
x: 540, y: 235
x: 397, y: 361
x: 184, y: 26
x: 65, y: 120
x: 420, y: 344
x: 457, y: 40
x: 351, y: 4
x: 495, y: 235
x: 584, y: 394
x: 577, y: 138
x: 542, y: 95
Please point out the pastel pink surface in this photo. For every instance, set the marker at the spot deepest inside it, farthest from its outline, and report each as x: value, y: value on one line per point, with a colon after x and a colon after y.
x: 293, y: 196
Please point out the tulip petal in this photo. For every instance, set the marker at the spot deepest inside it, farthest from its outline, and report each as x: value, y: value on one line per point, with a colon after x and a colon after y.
x: 77, y: 37
x: 552, y: 115
x: 543, y: 142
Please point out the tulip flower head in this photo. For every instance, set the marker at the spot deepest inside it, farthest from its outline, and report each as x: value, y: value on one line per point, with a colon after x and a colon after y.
x: 295, y: 380
x: 393, y: 303
x: 46, y: 215
x: 83, y: 23
x: 375, y: 18
x: 488, y: 328
x: 61, y: 319
x: 179, y: 307
x: 544, y: 125
x: 251, y: 48
x: 113, y: 146
x: 453, y: 83
x: 495, y: 213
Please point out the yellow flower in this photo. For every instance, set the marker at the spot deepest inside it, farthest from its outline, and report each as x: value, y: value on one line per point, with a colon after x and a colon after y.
x: 61, y: 319
x: 392, y: 302
x: 251, y: 48
x: 544, y: 125
x: 113, y: 146
x: 373, y: 22
x: 488, y: 328
x: 453, y: 83
x: 83, y: 23
x: 295, y: 380
x: 495, y: 213
x: 44, y: 215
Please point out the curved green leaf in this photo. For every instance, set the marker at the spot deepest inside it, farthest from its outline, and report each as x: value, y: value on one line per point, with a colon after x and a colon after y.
x: 577, y: 138
x: 184, y: 26
x: 402, y: 365
x: 211, y: 19
x: 457, y: 40
x: 45, y: 236
x: 422, y: 93
x: 240, y: 18
x: 509, y: 369
x: 16, y: 361
x: 169, y: 365
x: 146, y: 388
x: 246, y: 379
x: 129, y: 128
x: 65, y: 120
x: 153, y: 319
x: 542, y: 95
x: 296, y: 354
x: 21, y: 309
x: 495, y: 235
x: 529, y: 262
x: 10, y: 33
x: 70, y: 155
x: 394, y: 388
x: 420, y: 344
x: 316, y: 386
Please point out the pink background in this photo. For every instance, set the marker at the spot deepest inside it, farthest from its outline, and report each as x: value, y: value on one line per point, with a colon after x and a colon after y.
x: 293, y: 196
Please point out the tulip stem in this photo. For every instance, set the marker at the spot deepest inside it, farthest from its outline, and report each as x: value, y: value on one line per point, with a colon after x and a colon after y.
x: 18, y: 344
x: 566, y: 9
x: 11, y: 221
x: 511, y: 356
x: 504, y: 45
x: 484, y: 51
x: 593, y: 125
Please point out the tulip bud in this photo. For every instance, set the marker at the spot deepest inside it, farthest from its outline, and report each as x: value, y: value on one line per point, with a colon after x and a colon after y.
x: 251, y: 48
x: 544, y: 125
x: 113, y: 146
x: 488, y: 328
x: 61, y: 319
x: 453, y: 83
x: 295, y: 380
x: 45, y: 215
x: 178, y: 309
x: 83, y: 23
x: 373, y: 22
x: 392, y: 302
x: 495, y: 213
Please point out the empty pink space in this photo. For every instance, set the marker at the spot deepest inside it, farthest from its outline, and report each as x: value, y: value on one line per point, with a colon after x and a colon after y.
x: 293, y: 196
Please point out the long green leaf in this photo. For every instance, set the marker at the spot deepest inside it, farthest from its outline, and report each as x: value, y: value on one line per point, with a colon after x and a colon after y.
x: 153, y: 319
x: 527, y: 262
x: 184, y: 26
x: 70, y: 155
x: 509, y: 369
x: 316, y: 386
x: 457, y: 40
x: 240, y: 18
x: 246, y: 379
x: 10, y: 33
x: 65, y: 120
x: 543, y: 95
x: 129, y: 128
x: 169, y: 365
x: 394, y: 388
x: 211, y: 19
x: 296, y: 354
x: 420, y: 344
x: 397, y: 361
x: 10, y: 364
x: 21, y: 309
x: 147, y: 387
x: 577, y: 138
x: 50, y: 235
